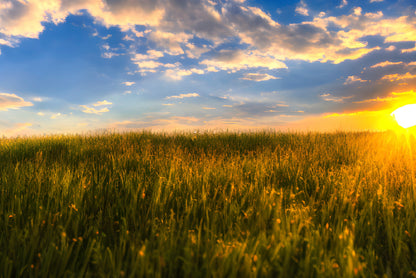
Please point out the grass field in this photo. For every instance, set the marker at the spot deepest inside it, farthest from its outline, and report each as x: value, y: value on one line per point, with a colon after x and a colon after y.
x: 201, y: 205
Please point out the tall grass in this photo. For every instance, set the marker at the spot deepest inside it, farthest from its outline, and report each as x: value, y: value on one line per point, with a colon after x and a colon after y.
x: 202, y: 205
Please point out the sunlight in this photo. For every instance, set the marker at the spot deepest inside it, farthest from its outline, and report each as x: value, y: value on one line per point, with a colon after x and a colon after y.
x: 406, y: 115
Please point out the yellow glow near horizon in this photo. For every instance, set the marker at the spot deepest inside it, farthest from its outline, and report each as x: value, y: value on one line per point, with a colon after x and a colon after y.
x: 406, y: 115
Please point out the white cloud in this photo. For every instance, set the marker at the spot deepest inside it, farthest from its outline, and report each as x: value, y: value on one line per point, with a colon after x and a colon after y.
x: 178, y: 74
x: 6, y: 42
x: 128, y: 83
x: 181, y: 96
x: 92, y: 110
x: 109, y: 55
x: 258, y: 77
x: 302, y: 9
x: 12, y: 101
x: 372, y: 1
x: 343, y: 4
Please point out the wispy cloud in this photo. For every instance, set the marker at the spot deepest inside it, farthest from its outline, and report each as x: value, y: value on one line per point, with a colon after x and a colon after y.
x: 332, y: 98
x: 55, y: 116
x: 258, y: 77
x: 385, y: 64
x: 397, y: 77
x: 12, y: 101
x: 102, y: 103
x: 181, y: 96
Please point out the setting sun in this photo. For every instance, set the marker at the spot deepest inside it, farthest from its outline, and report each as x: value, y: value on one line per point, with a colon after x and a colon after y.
x: 406, y: 115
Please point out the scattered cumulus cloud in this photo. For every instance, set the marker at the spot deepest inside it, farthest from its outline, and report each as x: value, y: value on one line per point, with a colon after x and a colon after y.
x: 91, y: 110
x: 128, y: 83
x: 178, y: 74
x: 343, y: 4
x: 302, y: 9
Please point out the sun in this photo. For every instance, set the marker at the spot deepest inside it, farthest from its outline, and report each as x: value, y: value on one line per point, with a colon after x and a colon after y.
x: 406, y: 115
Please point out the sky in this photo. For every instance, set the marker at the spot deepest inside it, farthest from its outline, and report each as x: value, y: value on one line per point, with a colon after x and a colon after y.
x: 74, y: 66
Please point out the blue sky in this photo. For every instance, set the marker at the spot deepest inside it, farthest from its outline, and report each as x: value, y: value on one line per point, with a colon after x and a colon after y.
x: 70, y: 66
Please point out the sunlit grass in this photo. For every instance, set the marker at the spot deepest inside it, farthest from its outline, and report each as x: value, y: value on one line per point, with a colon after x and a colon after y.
x: 190, y: 205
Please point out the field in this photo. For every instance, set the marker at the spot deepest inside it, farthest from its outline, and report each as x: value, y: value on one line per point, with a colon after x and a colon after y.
x: 200, y: 205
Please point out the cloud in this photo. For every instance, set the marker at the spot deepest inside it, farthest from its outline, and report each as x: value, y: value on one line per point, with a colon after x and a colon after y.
x: 302, y: 9
x: 170, y: 42
x: 258, y: 77
x: 385, y: 64
x: 331, y: 98
x: 397, y: 77
x: 12, y: 101
x: 55, y: 116
x: 102, y: 103
x: 148, y: 63
x: 373, y: 1
x: 24, y: 18
x: 181, y: 96
x: 235, y: 60
x: 177, y: 74
x: 172, y: 27
x: 8, y: 43
x: 343, y: 4
x: 409, y: 50
x: 92, y: 110
x: 352, y: 79
x: 128, y: 83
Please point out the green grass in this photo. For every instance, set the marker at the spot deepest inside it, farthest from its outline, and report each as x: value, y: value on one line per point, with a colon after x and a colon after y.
x: 208, y: 205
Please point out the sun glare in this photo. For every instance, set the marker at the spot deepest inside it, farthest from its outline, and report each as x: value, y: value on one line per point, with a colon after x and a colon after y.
x: 406, y: 115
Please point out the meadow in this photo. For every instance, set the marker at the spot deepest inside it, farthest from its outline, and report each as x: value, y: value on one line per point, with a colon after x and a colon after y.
x: 263, y: 204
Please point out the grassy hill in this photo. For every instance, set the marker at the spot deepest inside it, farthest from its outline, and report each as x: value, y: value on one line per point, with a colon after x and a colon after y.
x: 202, y: 205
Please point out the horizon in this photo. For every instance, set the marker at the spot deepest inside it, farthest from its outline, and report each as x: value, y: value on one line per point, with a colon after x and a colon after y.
x: 73, y: 67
